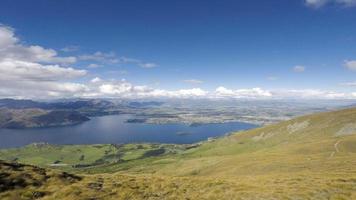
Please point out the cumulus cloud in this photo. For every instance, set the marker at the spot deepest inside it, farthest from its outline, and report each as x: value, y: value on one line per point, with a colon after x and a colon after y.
x: 311, y: 94
x: 21, y: 70
x: 242, y: 93
x: 125, y: 89
x: 33, y: 71
x: 10, y: 48
x: 41, y: 89
x: 320, y: 3
x: 258, y: 93
x: 98, y: 88
x: 298, y: 68
x: 95, y: 80
x: 7, y: 36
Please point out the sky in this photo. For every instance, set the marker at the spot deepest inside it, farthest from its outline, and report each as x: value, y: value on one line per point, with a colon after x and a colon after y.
x: 178, y: 49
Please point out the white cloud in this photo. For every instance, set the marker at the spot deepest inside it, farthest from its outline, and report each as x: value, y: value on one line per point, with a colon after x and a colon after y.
x: 222, y: 91
x: 258, y: 93
x: 311, y: 94
x: 95, y: 80
x: 183, y: 93
x: 195, y: 92
x: 21, y: 70
x: 97, y: 88
x: 41, y: 89
x: 7, y: 36
x: 350, y: 64
x: 37, y: 72
x: 125, y: 89
x: 298, y: 68
x: 320, y: 3
x: 193, y: 81
x: 10, y: 48
x: 242, y: 93
x: 34, y: 71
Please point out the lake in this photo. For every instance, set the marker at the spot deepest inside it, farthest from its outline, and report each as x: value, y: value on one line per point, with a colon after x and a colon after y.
x: 114, y: 129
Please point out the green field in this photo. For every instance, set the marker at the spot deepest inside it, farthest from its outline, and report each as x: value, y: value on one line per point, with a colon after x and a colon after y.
x: 310, y: 157
x: 85, y: 157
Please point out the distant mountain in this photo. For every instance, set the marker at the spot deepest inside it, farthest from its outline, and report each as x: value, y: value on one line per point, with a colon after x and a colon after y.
x: 80, y: 104
x: 75, y: 104
x: 19, y: 113
x: 137, y: 104
x: 35, y: 118
x: 20, y: 104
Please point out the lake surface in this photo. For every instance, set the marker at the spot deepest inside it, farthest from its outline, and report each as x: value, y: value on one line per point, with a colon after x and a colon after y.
x: 114, y: 129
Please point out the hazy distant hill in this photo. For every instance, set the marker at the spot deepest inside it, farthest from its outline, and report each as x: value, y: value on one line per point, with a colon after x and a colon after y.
x: 310, y: 157
x: 34, y: 118
x: 29, y: 114
x: 73, y: 104
x: 137, y: 104
x: 20, y: 104
x: 17, y: 113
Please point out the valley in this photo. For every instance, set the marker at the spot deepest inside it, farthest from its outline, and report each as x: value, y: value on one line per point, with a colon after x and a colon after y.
x: 34, y: 114
x: 309, y: 157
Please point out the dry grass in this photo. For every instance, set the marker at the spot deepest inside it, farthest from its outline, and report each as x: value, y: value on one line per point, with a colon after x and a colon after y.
x: 49, y: 184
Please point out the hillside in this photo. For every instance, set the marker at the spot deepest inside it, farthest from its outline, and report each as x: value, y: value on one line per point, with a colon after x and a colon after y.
x: 35, y: 118
x: 310, y: 157
x: 319, y: 143
x: 18, y: 181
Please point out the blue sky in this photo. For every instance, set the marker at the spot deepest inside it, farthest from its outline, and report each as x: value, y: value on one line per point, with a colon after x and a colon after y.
x: 170, y: 46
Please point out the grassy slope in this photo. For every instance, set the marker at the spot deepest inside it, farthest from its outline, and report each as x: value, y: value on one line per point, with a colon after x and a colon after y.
x: 309, y: 157
x: 88, y: 156
x: 18, y: 181
x: 311, y: 148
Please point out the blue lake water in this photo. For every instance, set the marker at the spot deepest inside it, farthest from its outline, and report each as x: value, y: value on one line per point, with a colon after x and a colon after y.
x: 114, y: 129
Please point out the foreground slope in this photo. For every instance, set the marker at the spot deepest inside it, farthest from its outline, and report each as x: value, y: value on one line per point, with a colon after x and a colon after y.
x: 310, y: 157
x: 18, y: 181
